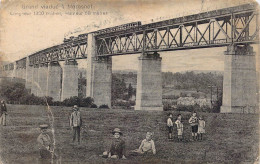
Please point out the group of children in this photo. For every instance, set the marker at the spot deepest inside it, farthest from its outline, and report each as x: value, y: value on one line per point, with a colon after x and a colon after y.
x: 117, y: 146
x: 197, y: 127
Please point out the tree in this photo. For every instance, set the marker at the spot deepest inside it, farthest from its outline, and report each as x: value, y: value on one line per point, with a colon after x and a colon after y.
x: 118, y: 88
x: 130, y: 91
x: 13, y: 91
x: 217, y: 105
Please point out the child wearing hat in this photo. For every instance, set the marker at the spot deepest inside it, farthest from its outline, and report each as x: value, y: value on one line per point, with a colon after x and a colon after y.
x: 117, y: 147
x: 44, y: 142
x: 170, y: 126
x: 147, y: 146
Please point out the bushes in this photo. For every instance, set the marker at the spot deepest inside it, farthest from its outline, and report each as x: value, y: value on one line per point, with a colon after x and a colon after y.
x: 71, y: 101
x: 81, y: 102
x: 167, y: 107
x: 104, y: 106
x: 86, y: 102
x: 123, y: 104
x: 13, y: 91
x: 93, y: 106
x: 187, y: 108
x: 191, y: 108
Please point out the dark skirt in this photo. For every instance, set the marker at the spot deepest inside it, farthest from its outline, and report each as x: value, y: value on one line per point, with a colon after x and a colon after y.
x: 194, y: 129
x: 45, y: 154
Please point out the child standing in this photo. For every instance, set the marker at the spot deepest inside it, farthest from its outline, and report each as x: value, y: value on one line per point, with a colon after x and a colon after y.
x: 194, y: 125
x: 3, y: 113
x: 201, y: 128
x: 179, y: 127
x: 170, y: 126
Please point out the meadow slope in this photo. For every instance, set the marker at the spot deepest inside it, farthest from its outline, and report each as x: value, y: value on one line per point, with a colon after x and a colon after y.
x: 230, y: 138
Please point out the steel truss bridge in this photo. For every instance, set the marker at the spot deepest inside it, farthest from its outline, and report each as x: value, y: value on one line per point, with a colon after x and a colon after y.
x: 230, y: 26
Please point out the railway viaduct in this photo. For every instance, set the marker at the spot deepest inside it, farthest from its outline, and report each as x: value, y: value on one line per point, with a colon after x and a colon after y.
x: 235, y: 28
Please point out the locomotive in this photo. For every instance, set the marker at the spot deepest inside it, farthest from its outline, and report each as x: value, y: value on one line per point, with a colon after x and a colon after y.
x: 106, y: 30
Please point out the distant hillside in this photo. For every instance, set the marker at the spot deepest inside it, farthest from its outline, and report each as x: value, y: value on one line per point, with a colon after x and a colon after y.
x: 204, y: 71
x: 190, y: 80
x: 125, y: 71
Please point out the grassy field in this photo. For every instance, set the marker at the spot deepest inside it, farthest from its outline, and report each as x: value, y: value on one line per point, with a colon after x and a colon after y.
x: 230, y: 138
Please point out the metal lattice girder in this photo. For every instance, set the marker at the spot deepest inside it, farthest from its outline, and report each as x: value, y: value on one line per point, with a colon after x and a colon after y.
x: 10, y: 66
x: 236, y: 25
x: 21, y: 64
x: 74, y: 49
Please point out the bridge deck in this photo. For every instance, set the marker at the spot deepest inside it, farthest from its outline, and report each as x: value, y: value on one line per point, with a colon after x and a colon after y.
x: 234, y: 25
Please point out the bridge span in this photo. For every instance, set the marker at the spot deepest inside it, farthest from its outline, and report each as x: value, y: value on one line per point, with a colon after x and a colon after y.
x: 235, y: 28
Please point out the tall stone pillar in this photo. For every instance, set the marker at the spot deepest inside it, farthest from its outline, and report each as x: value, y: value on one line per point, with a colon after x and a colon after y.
x: 23, y: 73
x: 14, y: 70
x: 91, y: 51
x: 28, y: 74
x: 35, y: 84
x: 149, y: 83
x: 54, y: 81
x: 42, y: 79
x: 18, y: 72
x: 69, y: 80
x: 99, y: 75
x: 240, y: 81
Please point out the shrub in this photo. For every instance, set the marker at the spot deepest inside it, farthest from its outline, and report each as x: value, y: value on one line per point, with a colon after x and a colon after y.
x: 82, y: 102
x: 122, y: 104
x: 86, y: 102
x: 167, y: 107
x: 49, y: 100
x: 71, y: 101
x: 93, y: 106
x: 191, y: 108
x: 104, y: 106
x: 132, y: 103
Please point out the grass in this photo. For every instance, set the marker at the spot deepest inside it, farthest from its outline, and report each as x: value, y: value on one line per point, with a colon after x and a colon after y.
x: 230, y: 138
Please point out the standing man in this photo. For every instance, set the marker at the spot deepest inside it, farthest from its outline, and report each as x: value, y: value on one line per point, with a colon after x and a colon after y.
x: 75, y: 122
x: 3, y: 113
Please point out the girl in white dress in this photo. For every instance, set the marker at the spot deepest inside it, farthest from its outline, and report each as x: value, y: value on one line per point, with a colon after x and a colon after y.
x: 179, y: 124
x: 201, y: 128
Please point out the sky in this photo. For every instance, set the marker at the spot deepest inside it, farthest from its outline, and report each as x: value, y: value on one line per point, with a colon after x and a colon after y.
x: 22, y: 34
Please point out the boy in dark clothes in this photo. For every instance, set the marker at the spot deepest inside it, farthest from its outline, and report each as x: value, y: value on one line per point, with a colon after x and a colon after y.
x: 117, y: 147
x: 194, y: 125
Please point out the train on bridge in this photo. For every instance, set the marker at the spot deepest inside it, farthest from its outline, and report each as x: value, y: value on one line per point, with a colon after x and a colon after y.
x: 105, y: 31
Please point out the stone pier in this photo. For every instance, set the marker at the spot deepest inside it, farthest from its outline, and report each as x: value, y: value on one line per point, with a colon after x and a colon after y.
x: 54, y: 81
x: 18, y: 73
x: 69, y: 80
x: 23, y: 73
x: 99, y: 75
x: 13, y: 74
x: 149, y: 83
x: 35, y: 84
x: 28, y: 74
x: 42, y: 79
x: 240, y: 81
x: 99, y: 84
